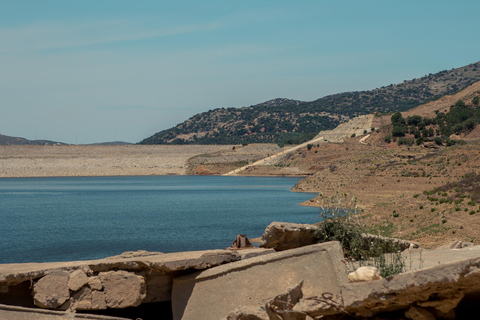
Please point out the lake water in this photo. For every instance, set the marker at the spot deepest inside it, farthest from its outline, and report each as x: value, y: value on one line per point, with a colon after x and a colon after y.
x: 78, y: 218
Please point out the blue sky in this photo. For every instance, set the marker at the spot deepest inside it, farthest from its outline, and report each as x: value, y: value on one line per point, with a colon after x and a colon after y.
x: 93, y: 71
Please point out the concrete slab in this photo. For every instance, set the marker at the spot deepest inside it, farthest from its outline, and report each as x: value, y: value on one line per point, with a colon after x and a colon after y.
x: 420, y: 259
x: 214, y: 293
x: 21, y: 313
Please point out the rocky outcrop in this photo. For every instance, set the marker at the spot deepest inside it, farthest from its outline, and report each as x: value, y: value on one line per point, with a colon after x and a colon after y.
x: 283, y: 236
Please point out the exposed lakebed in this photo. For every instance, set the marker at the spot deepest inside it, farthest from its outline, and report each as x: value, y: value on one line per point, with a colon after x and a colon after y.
x: 78, y: 218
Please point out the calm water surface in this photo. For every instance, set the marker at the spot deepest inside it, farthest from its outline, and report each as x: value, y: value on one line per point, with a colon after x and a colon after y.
x: 77, y: 218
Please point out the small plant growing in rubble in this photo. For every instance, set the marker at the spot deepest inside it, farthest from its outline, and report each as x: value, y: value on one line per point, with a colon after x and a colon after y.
x: 341, y: 222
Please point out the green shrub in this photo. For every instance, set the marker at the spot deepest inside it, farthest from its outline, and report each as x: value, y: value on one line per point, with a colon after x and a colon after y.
x: 341, y: 222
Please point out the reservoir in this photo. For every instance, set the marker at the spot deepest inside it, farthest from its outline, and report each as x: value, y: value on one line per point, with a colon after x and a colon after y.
x: 80, y: 218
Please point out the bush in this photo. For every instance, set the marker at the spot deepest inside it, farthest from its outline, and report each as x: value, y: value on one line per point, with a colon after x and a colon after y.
x: 341, y: 223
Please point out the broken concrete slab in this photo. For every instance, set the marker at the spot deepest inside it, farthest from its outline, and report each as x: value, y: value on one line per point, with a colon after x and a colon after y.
x: 157, y: 270
x: 214, y: 293
x: 21, y: 313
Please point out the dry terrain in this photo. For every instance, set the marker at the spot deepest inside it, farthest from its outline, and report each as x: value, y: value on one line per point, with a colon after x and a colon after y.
x: 96, y: 160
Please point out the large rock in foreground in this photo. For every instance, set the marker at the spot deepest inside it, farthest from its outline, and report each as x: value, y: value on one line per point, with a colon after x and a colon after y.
x: 214, y: 293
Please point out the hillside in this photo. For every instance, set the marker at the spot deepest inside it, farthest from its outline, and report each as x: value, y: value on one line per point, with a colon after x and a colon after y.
x: 7, y: 140
x: 292, y: 121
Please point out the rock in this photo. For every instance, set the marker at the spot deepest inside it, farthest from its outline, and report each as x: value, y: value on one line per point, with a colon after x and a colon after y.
x: 98, y: 300
x: 95, y: 283
x: 123, y: 289
x: 77, y: 280
x: 244, y: 313
x: 82, y: 300
x: 51, y: 291
x: 214, y: 293
x: 281, y: 307
x: 416, y: 313
x: 320, y: 306
x: 364, y: 274
x: 440, y: 287
x: 241, y: 242
x: 283, y: 236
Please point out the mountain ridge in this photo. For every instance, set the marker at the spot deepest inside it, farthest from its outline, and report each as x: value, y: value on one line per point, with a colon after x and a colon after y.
x: 284, y: 120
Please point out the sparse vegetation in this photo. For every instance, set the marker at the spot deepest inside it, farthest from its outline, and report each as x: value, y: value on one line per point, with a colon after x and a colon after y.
x: 341, y: 222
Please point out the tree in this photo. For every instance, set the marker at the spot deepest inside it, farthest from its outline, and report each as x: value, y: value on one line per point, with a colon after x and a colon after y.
x: 475, y: 100
x: 398, y: 131
x: 397, y: 119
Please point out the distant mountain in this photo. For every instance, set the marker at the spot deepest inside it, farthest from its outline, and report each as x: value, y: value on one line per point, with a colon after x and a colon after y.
x: 112, y: 143
x: 292, y: 121
x: 7, y: 140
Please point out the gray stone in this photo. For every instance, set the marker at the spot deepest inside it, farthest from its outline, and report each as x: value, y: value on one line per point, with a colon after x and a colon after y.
x: 214, y: 293
x: 123, y: 289
x: 283, y: 235
x: 77, y: 280
x: 51, y: 291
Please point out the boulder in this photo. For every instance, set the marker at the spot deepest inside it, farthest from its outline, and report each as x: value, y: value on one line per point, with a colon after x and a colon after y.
x: 214, y: 293
x: 123, y: 289
x: 283, y: 236
x: 364, y: 274
x: 51, y: 291
x: 77, y: 280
